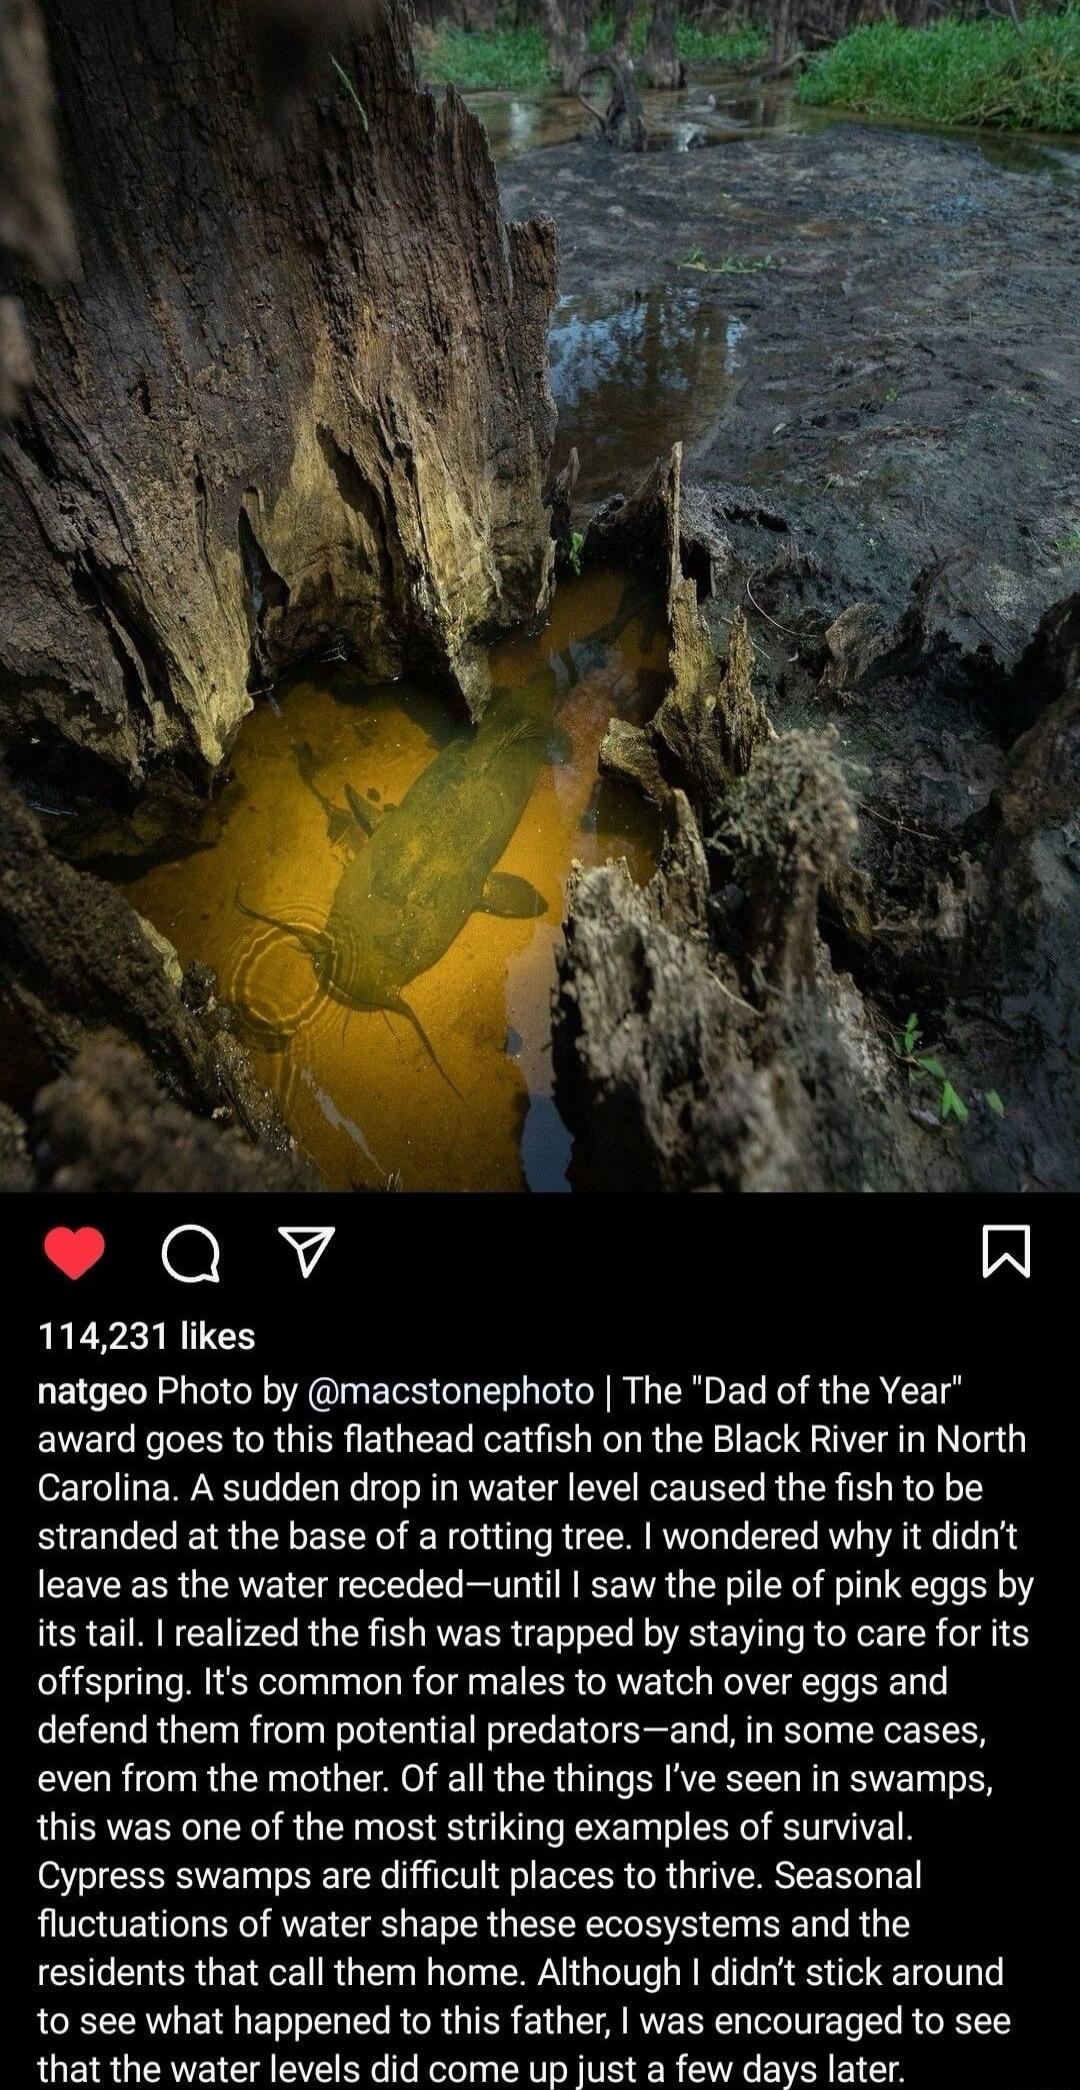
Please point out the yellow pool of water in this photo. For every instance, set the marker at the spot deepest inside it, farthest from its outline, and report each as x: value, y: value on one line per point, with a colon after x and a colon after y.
x: 362, y: 1097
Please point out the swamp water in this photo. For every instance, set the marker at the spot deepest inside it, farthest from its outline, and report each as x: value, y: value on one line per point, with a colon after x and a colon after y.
x: 366, y: 1097
x: 725, y: 109
x: 631, y: 380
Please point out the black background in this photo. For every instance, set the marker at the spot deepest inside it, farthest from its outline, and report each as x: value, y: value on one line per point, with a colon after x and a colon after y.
x: 485, y: 1288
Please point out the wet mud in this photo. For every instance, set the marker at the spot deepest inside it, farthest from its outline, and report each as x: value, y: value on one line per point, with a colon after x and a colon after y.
x: 881, y: 440
x: 871, y: 342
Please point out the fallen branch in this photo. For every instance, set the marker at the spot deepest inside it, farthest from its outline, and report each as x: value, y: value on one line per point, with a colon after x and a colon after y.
x: 785, y: 65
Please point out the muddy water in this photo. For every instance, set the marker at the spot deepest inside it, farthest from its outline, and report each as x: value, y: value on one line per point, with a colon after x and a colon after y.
x: 361, y: 1094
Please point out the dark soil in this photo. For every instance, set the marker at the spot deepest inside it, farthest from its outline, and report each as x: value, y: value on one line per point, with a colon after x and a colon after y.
x: 884, y: 478
x: 907, y: 385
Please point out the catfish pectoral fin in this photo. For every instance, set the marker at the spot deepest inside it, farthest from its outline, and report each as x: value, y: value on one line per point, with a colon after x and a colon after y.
x: 512, y: 898
x: 339, y: 823
x: 310, y: 940
x: 366, y: 815
x: 400, y: 1007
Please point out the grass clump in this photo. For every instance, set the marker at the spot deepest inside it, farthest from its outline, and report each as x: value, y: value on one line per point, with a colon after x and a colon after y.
x: 512, y: 58
x: 736, y: 46
x: 517, y: 59
x: 1021, y: 77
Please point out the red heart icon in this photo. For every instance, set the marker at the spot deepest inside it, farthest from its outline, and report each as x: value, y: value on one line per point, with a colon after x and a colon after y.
x: 74, y: 1251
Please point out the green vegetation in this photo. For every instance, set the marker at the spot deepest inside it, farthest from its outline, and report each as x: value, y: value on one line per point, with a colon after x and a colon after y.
x: 737, y: 46
x: 1023, y: 76
x: 513, y: 58
x: 347, y: 83
x: 732, y: 264
x: 925, y: 1066
x: 517, y: 59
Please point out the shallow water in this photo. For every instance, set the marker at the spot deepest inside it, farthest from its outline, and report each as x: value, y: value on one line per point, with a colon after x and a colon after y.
x: 628, y: 383
x: 717, y: 108
x: 357, y: 1088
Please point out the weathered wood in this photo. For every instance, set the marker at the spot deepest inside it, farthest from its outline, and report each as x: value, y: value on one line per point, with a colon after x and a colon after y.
x: 710, y: 723
x: 35, y: 227
x: 620, y: 31
x: 76, y: 960
x: 625, y: 103
x: 567, y: 40
x: 297, y: 401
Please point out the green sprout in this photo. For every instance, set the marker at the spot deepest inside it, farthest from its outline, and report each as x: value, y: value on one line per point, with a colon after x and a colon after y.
x: 907, y: 1047
x: 732, y: 264
x: 350, y: 90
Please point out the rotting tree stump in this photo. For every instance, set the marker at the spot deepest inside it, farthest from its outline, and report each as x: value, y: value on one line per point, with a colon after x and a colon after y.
x: 294, y: 404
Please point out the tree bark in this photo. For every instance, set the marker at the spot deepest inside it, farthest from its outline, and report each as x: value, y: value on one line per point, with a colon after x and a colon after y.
x: 568, y: 42
x: 620, y: 34
x: 35, y: 227
x: 297, y: 401
x: 663, y: 65
x: 780, y: 51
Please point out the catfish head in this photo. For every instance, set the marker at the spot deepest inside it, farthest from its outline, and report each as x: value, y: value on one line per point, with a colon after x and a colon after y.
x: 352, y: 971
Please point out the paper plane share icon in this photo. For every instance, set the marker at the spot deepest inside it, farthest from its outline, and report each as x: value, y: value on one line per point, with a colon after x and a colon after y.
x: 310, y: 1243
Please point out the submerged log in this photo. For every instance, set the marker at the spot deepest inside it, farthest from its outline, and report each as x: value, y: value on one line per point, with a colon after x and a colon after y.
x: 296, y: 404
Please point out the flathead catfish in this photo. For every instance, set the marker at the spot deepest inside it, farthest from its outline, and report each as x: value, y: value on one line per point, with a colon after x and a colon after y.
x: 429, y: 863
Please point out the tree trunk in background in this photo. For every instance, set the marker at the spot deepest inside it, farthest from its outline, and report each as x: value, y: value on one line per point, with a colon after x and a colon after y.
x: 620, y: 32
x: 781, y: 46
x: 297, y: 400
x: 567, y: 40
x: 663, y: 65
x: 35, y: 227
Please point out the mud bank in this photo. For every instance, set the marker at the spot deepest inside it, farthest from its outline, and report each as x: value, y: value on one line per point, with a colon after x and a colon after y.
x: 878, y: 405
x: 883, y: 358
x: 838, y: 975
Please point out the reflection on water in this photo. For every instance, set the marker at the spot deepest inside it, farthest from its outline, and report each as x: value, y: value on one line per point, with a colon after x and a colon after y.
x: 454, y: 1090
x: 722, y: 108
x: 629, y: 383
x: 701, y: 114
